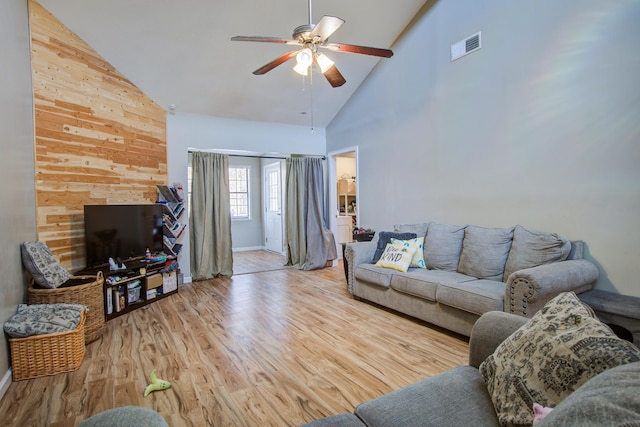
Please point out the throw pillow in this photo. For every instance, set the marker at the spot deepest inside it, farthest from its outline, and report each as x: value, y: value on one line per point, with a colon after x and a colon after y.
x: 417, y: 243
x: 43, y: 267
x: 534, y: 248
x: 560, y: 348
x: 442, y: 246
x: 384, y: 238
x: 485, y: 251
x: 396, y: 257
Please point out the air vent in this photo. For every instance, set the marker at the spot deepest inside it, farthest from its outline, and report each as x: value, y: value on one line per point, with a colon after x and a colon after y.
x: 466, y: 46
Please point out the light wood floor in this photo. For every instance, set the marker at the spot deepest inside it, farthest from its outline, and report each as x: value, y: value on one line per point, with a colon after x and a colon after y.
x: 279, y: 348
x: 245, y: 262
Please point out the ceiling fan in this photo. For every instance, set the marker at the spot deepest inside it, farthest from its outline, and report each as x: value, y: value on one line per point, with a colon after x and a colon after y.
x: 312, y: 38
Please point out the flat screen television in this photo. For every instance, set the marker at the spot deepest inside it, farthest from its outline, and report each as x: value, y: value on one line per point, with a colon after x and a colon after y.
x: 121, y: 231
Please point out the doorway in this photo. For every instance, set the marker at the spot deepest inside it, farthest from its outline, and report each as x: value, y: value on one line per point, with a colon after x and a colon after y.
x: 273, y: 219
x: 343, y: 195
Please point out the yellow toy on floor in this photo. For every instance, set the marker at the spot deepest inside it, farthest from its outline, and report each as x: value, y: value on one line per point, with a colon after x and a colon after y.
x: 156, y: 384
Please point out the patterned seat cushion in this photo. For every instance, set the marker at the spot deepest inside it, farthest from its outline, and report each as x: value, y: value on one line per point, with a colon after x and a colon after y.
x: 40, y: 319
x: 44, y: 268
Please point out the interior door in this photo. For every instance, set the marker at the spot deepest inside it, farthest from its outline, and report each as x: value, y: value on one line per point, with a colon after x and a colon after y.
x: 273, y: 208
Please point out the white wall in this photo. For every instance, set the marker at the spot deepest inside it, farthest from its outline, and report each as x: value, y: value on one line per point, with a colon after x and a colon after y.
x: 539, y: 127
x: 186, y: 131
x: 18, y: 214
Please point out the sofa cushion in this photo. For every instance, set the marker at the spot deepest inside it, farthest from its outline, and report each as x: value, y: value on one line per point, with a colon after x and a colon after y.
x: 418, y: 256
x: 473, y: 296
x: 420, y: 228
x: 375, y: 275
x: 442, y: 246
x: 43, y: 267
x: 484, y: 252
x: 560, y: 348
x: 608, y: 399
x: 396, y: 257
x: 534, y: 248
x: 420, y: 282
x: 424, y: 283
x: 457, y: 397
x: 384, y: 238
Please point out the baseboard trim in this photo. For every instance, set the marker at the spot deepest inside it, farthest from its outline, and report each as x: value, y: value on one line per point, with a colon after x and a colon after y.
x: 5, y: 383
x: 249, y: 248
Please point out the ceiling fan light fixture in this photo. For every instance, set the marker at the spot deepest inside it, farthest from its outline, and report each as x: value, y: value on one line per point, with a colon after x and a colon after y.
x: 324, y: 62
x: 303, y: 59
x: 303, y: 70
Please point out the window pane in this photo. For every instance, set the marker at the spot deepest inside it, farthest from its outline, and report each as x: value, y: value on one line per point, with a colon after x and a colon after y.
x: 239, y: 191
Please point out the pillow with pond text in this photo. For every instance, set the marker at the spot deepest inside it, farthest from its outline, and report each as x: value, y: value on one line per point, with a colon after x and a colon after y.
x: 417, y: 243
x: 559, y: 349
x: 384, y: 237
x: 396, y: 257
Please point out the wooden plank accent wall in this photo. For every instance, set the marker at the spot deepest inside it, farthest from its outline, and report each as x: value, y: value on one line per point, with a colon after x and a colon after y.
x: 98, y: 138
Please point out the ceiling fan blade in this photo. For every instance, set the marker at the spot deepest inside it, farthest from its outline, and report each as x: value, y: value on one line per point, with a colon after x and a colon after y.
x: 334, y: 77
x: 263, y: 39
x: 325, y: 27
x: 364, y: 50
x: 273, y: 64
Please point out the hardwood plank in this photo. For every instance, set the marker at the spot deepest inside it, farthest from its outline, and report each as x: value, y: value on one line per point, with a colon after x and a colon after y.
x: 276, y: 348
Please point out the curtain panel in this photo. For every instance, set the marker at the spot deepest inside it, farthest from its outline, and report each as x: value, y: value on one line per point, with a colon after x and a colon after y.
x: 210, y: 220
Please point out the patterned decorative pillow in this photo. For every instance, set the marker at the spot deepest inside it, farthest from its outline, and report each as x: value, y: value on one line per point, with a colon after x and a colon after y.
x: 417, y: 243
x: 560, y: 348
x: 44, y: 268
x: 534, y: 248
x: 384, y: 238
x: 396, y: 257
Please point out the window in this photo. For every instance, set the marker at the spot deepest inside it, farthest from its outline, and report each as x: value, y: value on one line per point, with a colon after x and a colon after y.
x: 239, y: 191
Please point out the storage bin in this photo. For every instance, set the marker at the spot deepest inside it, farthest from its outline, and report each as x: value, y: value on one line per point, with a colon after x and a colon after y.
x: 169, y: 282
x: 88, y: 294
x: 49, y: 354
x: 133, y: 294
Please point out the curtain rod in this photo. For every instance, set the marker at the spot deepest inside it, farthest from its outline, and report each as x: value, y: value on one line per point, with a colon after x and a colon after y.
x: 268, y: 157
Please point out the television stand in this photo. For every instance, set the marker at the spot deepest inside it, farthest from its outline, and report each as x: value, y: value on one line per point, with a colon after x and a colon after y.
x: 140, y: 283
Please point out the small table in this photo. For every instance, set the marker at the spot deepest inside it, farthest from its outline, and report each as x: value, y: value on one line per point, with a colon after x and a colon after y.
x: 620, y: 312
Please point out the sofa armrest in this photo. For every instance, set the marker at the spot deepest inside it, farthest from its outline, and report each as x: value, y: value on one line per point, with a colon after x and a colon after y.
x: 358, y: 253
x: 528, y: 290
x: 489, y: 331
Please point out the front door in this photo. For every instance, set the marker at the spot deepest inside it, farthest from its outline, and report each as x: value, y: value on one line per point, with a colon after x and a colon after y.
x: 273, y: 208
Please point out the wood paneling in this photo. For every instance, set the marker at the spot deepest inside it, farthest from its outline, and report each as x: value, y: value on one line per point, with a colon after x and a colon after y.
x: 99, y: 139
x: 278, y: 348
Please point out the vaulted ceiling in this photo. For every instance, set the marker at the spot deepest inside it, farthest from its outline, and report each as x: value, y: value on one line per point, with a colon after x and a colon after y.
x: 180, y: 52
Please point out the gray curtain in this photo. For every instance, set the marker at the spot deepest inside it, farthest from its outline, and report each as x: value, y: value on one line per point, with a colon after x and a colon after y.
x: 294, y: 213
x: 309, y: 243
x: 210, y: 222
x: 316, y: 232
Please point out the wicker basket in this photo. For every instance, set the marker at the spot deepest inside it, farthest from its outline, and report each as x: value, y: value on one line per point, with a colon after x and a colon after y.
x: 49, y: 354
x: 89, y: 294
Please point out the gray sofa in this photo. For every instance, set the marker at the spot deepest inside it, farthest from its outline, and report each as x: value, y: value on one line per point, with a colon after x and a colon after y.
x: 460, y: 397
x: 471, y: 270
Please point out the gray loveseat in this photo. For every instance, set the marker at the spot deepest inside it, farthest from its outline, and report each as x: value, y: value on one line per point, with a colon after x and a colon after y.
x: 460, y: 397
x: 471, y: 270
